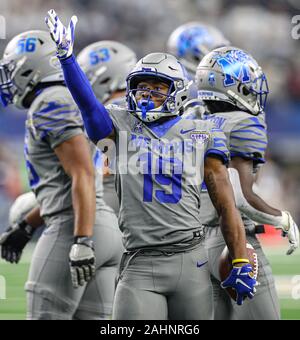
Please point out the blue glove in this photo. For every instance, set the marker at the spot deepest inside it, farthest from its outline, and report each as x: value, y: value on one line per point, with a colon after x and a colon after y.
x: 241, y: 279
x: 63, y: 37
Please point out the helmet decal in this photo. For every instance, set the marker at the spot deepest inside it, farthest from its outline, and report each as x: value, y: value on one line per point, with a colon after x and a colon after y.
x: 26, y: 45
x: 232, y: 75
x: 235, y: 66
x: 192, y: 41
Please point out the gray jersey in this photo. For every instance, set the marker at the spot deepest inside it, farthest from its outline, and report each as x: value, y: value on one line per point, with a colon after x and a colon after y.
x: 110, y: 196
x: 160, y: 202
x: 53, y: 118
x: 247, y: 138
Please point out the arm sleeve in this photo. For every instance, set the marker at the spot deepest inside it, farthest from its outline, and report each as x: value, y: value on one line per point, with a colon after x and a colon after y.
x: 217, y: 146
x: 97, y: 121
x: 248, y: 140
x: 243, y: 205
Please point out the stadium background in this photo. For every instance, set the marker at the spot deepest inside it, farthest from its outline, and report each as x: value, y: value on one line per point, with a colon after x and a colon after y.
x: 263, y: 28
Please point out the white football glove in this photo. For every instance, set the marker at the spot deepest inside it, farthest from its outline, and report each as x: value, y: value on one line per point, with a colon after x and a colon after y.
x: 82, y: 261
x: 63, y: 37
x: 290, y: 230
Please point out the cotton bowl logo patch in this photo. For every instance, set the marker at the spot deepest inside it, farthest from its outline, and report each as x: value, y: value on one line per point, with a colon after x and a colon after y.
x: 138, y: 127
x: 199, y: 136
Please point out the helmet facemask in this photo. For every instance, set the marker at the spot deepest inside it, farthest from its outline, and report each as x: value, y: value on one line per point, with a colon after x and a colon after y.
x: 144, y: 108
x: 7, y: 87
x: 253, y: 96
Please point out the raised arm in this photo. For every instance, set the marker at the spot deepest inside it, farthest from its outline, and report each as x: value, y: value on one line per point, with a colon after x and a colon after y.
x: 97, y: 121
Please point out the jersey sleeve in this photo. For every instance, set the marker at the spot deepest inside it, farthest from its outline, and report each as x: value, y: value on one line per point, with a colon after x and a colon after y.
x: 217, y: 145
x: 248, y: 139
x: 119, y: 116
x: 56, y: 121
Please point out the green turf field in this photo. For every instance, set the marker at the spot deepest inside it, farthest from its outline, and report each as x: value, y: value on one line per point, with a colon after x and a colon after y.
x: 285, y: 268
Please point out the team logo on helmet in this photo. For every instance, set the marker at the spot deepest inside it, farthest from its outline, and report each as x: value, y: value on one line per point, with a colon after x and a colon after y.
x: 235, y: 65
x: 190, y: 40
x: 240, y: 81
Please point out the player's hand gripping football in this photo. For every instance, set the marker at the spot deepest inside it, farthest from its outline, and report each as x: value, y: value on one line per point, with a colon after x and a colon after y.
x: 63, y: 37
x: 290, y: 230
x: 241, y: 278
x: 13, y: 241
x: 82, y: 261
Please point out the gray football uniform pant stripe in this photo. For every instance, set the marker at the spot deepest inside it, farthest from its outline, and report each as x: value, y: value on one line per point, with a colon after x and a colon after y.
x: 164, y: 287
x: 50, y: 294
x: 264, y: 305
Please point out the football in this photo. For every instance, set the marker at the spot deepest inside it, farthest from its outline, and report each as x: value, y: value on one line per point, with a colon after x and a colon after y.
x: 225, y: 266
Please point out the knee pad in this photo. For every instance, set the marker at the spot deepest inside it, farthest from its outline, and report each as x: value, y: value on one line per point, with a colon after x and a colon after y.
x: 43, y: 304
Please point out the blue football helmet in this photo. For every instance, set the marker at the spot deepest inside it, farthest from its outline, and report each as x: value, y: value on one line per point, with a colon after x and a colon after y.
x: 192, y: 41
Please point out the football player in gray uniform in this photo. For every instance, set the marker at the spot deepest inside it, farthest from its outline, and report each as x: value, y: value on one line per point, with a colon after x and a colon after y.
x: 107, y: 64
x: 163, y: 272
x: 190, y: 43
x: 75, y: 261
x: 234, y: 90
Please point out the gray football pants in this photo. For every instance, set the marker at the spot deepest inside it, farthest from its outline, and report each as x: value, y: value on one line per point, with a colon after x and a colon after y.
x: 156, y: 286
x: 50, y: 294
x: 264, y: 305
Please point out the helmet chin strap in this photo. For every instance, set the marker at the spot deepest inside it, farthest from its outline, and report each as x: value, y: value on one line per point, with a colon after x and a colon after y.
x: 145, y: 105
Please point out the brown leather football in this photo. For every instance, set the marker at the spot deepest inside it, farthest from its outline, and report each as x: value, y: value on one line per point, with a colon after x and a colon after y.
x: 225, y: 266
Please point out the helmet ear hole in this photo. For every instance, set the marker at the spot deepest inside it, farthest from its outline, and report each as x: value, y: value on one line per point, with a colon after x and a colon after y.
x: 26, y: 73
x: 245, y: 91
x: 197, y: 59
x: 104, y: 81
